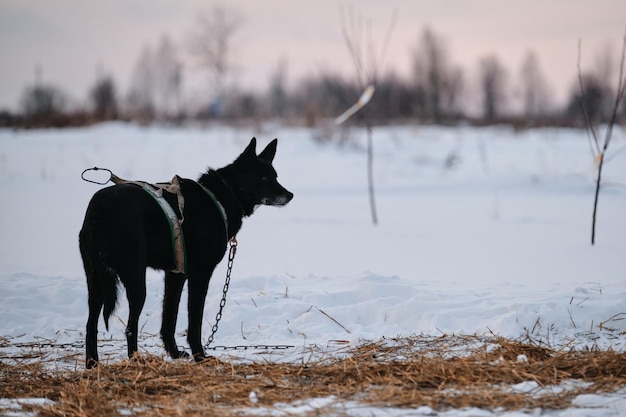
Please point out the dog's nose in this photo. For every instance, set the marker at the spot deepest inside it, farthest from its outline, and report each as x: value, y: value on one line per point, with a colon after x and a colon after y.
x: 284, y: 198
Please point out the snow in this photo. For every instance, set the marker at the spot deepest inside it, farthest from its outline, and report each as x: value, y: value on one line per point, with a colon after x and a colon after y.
x: 13, y: 407
x: 585, y: 405
x: 481, y: 230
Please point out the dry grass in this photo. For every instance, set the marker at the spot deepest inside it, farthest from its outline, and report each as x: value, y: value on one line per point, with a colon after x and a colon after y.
x: 445, y: 372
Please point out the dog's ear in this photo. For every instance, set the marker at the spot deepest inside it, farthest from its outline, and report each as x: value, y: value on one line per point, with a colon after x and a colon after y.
x: 269, y: 152
x: 250, y: 149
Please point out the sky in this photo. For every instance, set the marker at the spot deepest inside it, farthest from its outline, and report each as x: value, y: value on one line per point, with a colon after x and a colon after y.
x: 73, y: 40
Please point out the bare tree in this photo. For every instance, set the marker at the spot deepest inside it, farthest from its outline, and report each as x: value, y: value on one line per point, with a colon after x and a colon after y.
x: 598, y: 99
x: 42, y: 102
x: 453, y: 92
x: 211, y: 44
x: 600, y: 148
x: 103, y: 98
x: 367, y: 60
x: 593, y: 100
x: 604, y: 72
x: 535, y: 90
x: 141, y: 96
x: 278, y: 90
x: 492, y: 83
x: 439, y: 84
x: 167, y: 78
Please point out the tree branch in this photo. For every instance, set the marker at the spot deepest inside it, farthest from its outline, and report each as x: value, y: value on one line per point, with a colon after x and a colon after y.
x: 619, y: 96
x: 590, y: 129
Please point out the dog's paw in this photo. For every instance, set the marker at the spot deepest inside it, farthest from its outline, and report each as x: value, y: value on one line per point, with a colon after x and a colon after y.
x: 178, y: 354
x: 199, y: 357
x: 181, y: 355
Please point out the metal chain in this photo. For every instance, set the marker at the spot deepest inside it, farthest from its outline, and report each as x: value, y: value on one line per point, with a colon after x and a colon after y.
x: 231, y: 257
x: 252, y: 347
x: 81, y: 345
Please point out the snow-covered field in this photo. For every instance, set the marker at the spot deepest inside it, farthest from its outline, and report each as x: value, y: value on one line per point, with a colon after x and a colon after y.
x: 481, y: 230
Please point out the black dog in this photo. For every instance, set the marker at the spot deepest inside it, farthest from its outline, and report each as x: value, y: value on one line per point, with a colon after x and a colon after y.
x: 125, y: 231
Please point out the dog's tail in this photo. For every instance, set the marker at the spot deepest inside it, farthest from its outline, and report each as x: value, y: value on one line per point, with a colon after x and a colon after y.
x: 102, y: 279
x: 109, y: 286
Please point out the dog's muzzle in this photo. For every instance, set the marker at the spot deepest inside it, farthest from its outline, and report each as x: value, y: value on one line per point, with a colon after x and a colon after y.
x: 278, y: 200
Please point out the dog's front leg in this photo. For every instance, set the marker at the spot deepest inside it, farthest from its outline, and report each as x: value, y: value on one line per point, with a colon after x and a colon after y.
x: 173, y: 289
x: 198, y: 286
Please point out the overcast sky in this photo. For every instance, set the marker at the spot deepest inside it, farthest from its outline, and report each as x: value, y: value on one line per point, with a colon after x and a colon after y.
x: 69, y: 39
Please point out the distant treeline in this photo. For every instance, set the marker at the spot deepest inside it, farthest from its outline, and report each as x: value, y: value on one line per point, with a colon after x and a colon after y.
x: 319, y: 98
x: 437, y: 92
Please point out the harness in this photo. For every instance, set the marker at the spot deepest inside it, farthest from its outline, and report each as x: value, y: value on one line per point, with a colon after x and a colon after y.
x: 156, y: 192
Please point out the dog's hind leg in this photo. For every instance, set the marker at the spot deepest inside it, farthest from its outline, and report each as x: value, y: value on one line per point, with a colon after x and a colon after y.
x: 96, y: 302
x: 92, y: 264
x: 135, y: 283
x: 173, y: 289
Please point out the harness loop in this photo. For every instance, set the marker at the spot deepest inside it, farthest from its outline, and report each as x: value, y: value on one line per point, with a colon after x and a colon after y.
x: 110, y: 179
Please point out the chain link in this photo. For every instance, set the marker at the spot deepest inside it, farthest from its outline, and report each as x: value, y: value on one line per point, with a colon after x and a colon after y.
x: 252, y: 347
x: 231, y: 257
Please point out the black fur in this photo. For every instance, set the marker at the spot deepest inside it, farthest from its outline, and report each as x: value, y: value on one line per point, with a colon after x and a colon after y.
x: 125, y: 231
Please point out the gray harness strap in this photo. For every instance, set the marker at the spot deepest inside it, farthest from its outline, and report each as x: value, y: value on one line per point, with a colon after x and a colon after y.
x: 176, y: 231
